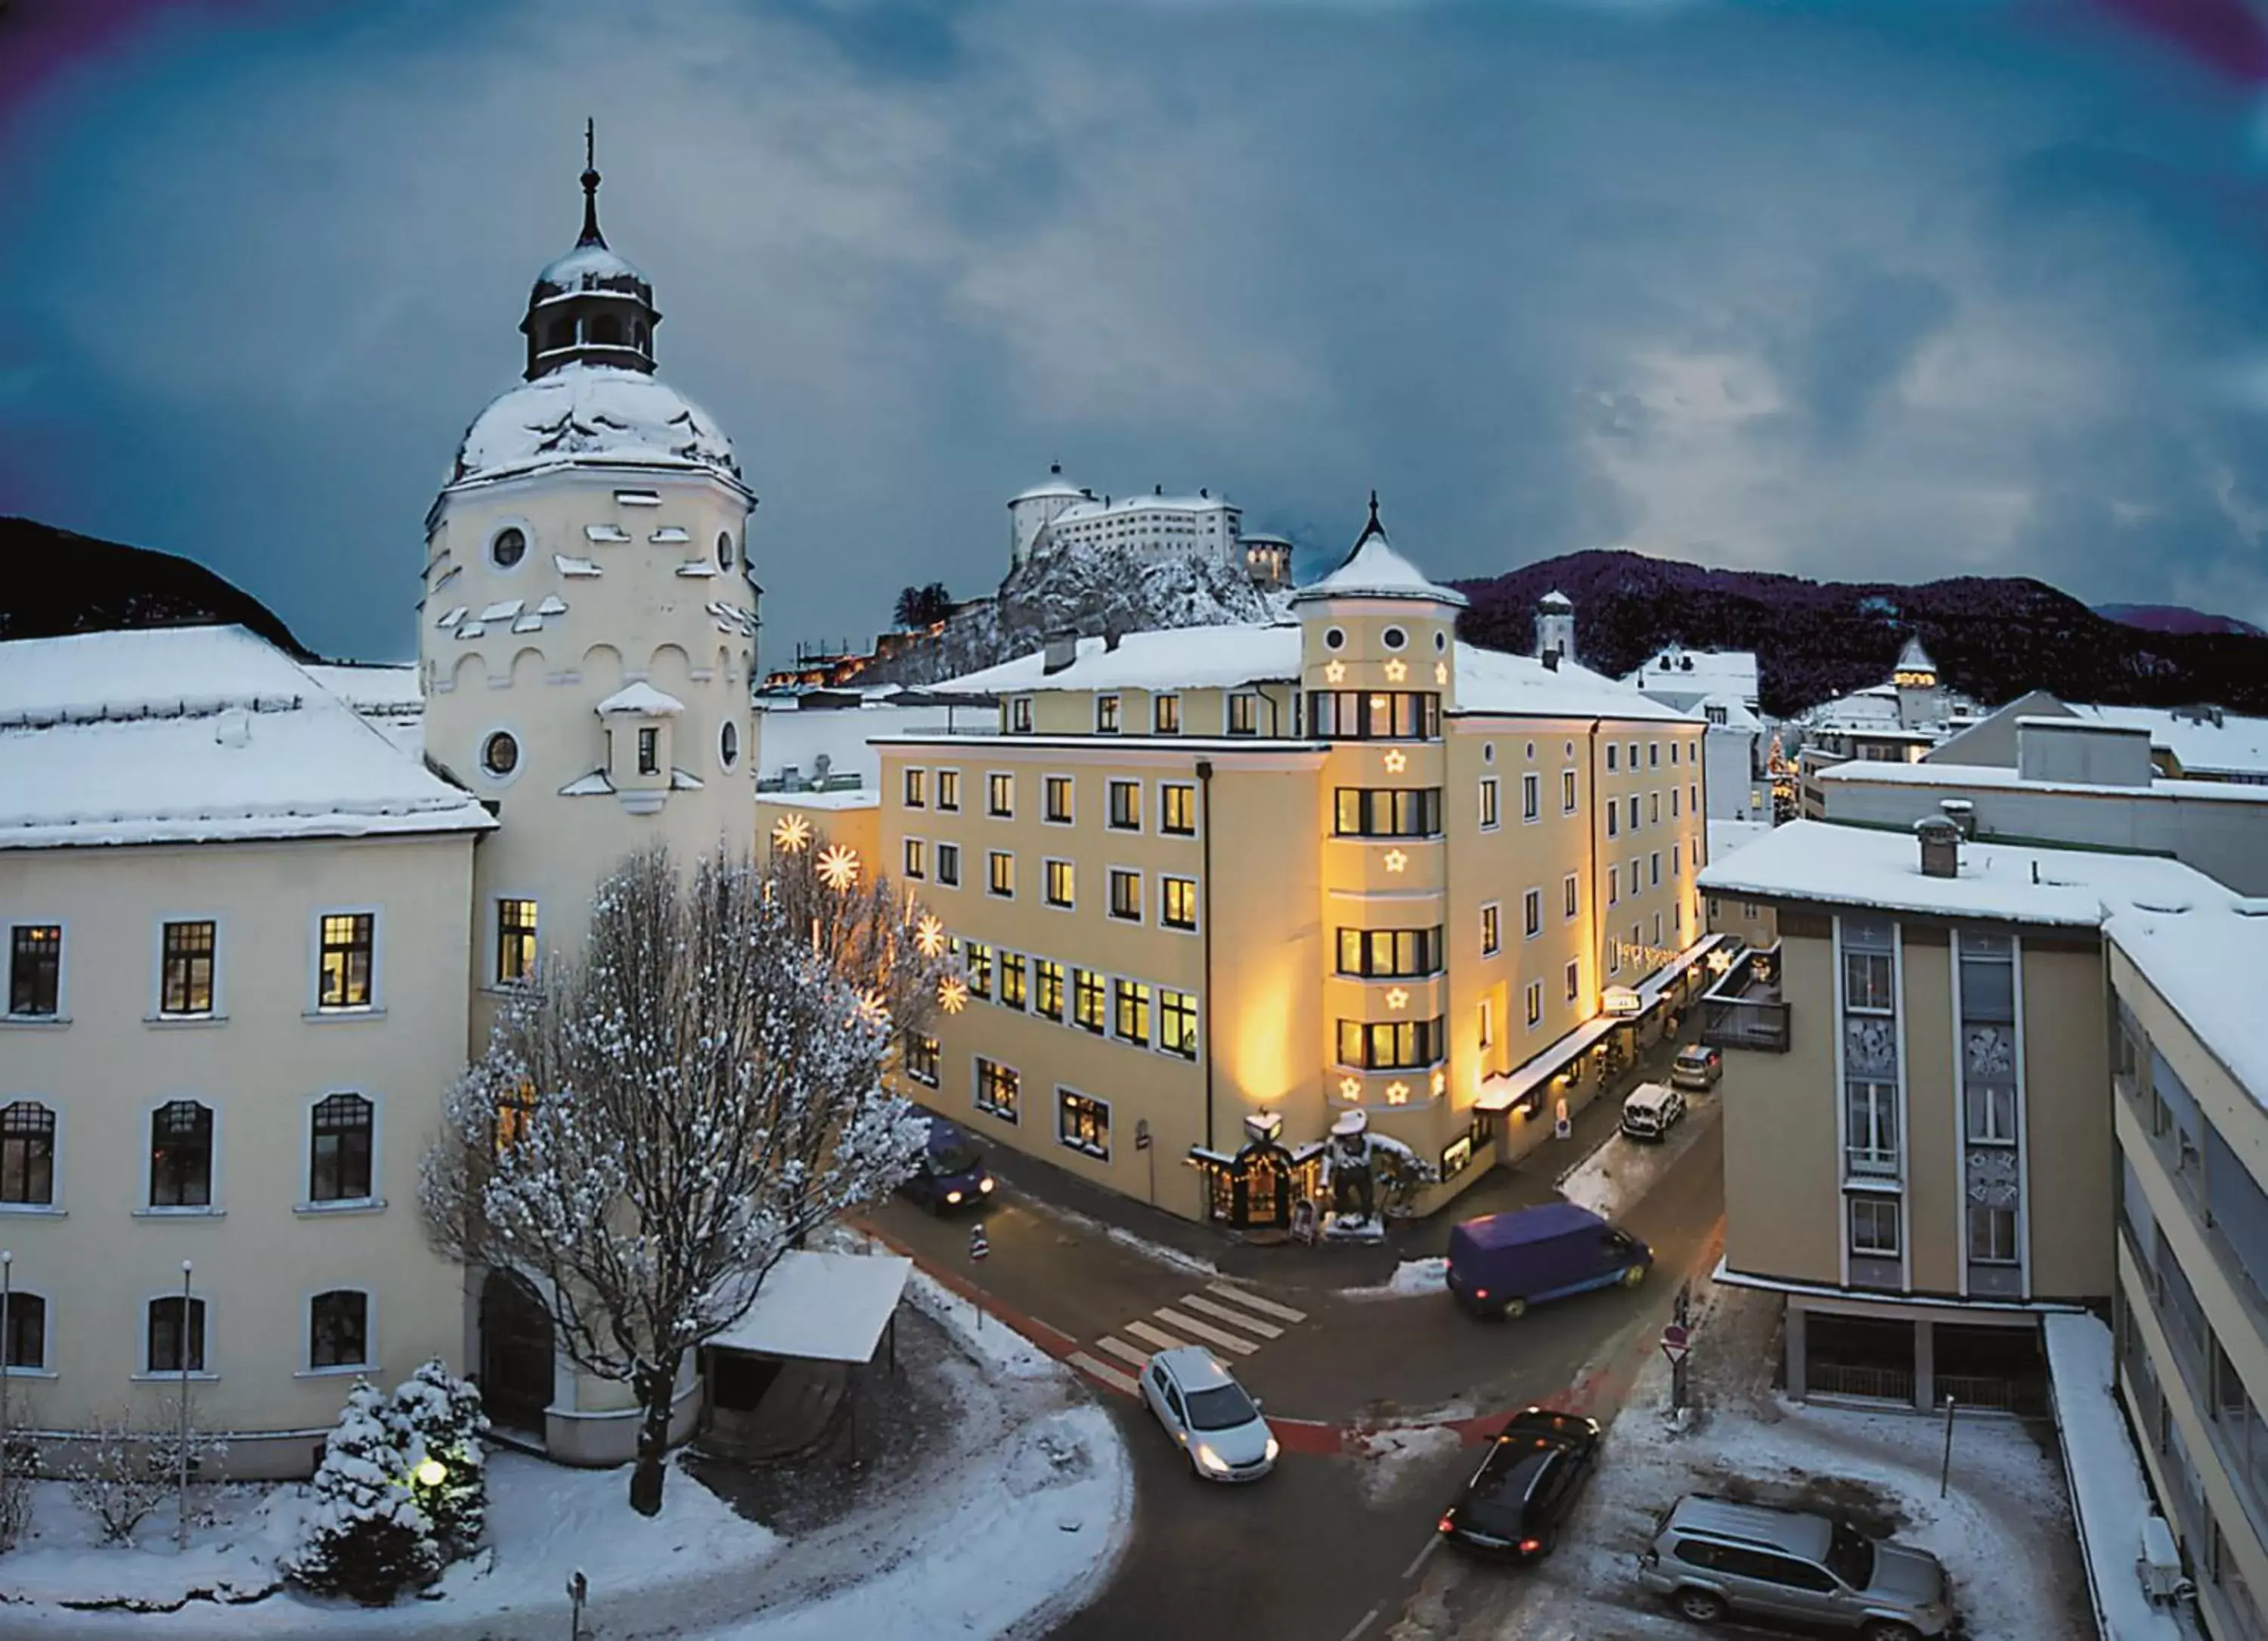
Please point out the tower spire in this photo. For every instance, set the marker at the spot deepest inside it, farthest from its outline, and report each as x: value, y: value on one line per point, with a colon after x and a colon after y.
x: 590, y: 234
x: 1373, y: 528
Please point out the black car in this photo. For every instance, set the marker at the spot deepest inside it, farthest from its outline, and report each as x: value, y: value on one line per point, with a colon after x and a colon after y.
x: 1513, y: 1508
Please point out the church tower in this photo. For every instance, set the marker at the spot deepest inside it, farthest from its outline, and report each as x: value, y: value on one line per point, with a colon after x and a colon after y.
x: 588, y: 630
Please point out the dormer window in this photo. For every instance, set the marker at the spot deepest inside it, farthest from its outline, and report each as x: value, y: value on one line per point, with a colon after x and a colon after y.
x: 649, y: 752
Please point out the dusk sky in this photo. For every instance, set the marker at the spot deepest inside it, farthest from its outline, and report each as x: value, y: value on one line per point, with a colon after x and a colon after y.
x: 1858, y: 291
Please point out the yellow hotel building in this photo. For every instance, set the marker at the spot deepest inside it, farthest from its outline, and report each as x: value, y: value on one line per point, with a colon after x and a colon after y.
x: 1213, y: 888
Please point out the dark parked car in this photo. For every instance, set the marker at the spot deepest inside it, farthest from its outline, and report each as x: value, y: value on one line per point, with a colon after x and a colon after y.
x: 1500, y: 1264
x: 1513, y: 1508
x: 951, y: 1173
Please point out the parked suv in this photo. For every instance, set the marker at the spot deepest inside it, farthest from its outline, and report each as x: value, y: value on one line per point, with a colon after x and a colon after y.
x: 1698, y: 1065
x: 1713, y: 1558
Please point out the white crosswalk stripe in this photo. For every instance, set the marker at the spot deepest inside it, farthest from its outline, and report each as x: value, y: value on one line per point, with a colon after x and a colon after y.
x: 1157, y: 1336
x: 1219, y: 1337
x: 1104, y: 1372
x: 1123, y: 1351
x: 1234, y: 1317
x: 1254, y: 1302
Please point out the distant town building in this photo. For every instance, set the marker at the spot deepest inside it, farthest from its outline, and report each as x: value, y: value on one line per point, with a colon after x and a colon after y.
x: 1058, y: 514
x: 1269, y: 559
x: 1555, y: 626
x: 1684, y: 678
x: 1895, y: 721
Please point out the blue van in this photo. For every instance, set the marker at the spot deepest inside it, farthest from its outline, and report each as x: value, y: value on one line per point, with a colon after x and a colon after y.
x: 951, y: 1172
x: 1500, y: 1264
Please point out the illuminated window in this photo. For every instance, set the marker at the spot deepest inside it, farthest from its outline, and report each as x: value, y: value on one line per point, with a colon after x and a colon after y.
x: 997, y: 1089
x: 1083, y: 1123
x: 1133, y: 1012
x: 1106, y: 715
x: 1047, y: 987
x: 1000, y: 794
x: 1166, y: 714
x: 1019, y: 716
x: 1011, y: 979
x: 1491, y: 929
x: 1389, y: 812
x: 1571, y: 894
x: 1000, y: 874
x: 922, y: 1059
x: 1535, y: 1004
x: 1177, y: 1022
x: 1087, y: 1001
x: 35, y: 968
x: 1177, y: 902
x: 185, y: 975
x: 977, y: 960
x: 1059, y: 884
x: 1488, y: 803
x: 916, y: 858
x: 1126, y: 805
x: 1177, y: 806
x: 1057, y: 789
x: 515, y: 1114
x: 916, y: 788
x: 1244, y: 714
x: 1532, y: 912
x: 343, y: 965
x: 1375, y: 953
x: 27, y: 1154
x: 1531, y: 797
x: 1566, y: 792
x: 1125, y: 893
x: 1389, y: 1044
x: 515, y: 964
x: 1574, y: 982
x: 949, y: 788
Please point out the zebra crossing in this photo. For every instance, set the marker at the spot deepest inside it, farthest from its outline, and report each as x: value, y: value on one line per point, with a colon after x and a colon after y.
x: 1222, y: 1315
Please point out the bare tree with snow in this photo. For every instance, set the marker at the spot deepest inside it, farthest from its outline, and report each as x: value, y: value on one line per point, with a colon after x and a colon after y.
x: 674, y: 1107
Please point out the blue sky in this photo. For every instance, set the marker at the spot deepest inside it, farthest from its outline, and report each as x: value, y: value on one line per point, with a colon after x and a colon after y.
x: 1897, y: 290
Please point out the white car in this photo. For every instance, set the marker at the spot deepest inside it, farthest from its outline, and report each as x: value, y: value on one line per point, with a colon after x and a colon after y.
x: 1651, y: 1111
x: 1218, y: 1427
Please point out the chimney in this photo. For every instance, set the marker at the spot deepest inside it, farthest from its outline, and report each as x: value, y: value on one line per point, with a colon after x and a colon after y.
x: 1062, y: 649
x: 1962, y: 814
x: 1941, y: 847
x: 1550, y: 659
x: 1112, y: 632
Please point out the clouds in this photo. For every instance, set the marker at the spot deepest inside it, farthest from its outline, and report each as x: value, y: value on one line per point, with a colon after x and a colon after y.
x: 1844, y: 294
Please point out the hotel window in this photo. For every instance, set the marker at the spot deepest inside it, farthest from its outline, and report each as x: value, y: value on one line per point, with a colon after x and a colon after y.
x: 1083, y: 1123
x: 1389, y: 812
x: 339, y: 1149
x: 1125, y: 894
x: 1613, y: 824
x: 515, y: 958
x: 1057, y: 789
x: 1177, y: 902
x: 1087, y: 1003
x: 1399, y: 953
x: 1871, y: 1127
x: 36, y: 969
x: 917, y: 787
x: 1653, y: 755
x: 1046, y: 988
x: 1574, y: 982
x: 1988, y: 1038
x: 1535, y: 1004
x: 27, y: 1154
x: 338, y: 1329
x: 1244, y: 714
x: 997, y: 1087
x: 1633, y: 811
x: 948, y: 865
x: 1390, y: 1044
x: 180, y: 1155
x: 649, y: 752
x: 345, y: 940
x: 1531, y: 797
x: 1489, y: 817
x: 1874, y: 1227
x: 1611, y: 757
x: 185, y: 975
x: 976, y: 959
x: 1491, y: 929
x: 1614, y: 885
x: 1126, y: 805
x: 1106, y: 715
x: 1000, y: 795
x: 1133, y: 1021
x: 1019, y: 716
x: 1488, y: 1024
x: 921, y: 1060
x: 1566, y: 792
x: 1177, y: 809
x: 1166, y: 714
x: 23, y: 1331
x: 1655, y: 867
x: 1653, y: 809
x: 1570, y: 894
x: 949, y: 788
x: 1672, y: 800
x: 1011, y: 979
x: 1991, y: 1235
x: 1373, y: 715
x: 1532, y: 912
x: 176, y: 1342
x: 1177, y: 1022
x: 1059, y: 881
x: 916, y: 858
x: 1000, y: 874
x: 1634, y: 869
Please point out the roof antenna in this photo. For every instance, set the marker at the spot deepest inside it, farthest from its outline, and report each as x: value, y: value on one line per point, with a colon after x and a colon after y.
x: 590, y: 234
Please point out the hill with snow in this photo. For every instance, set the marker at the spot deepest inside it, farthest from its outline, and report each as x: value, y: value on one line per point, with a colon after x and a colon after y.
x: 58, y: 583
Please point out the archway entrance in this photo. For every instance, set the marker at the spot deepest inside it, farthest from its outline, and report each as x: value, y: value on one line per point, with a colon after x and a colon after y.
x: 516, y: 1353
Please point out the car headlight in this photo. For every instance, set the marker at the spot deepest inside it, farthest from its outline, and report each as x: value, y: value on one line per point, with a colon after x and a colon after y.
x: 984, y: 1184
x: 1273, y: 1450
x: 953, y: 1196
x: 1211, y: 1460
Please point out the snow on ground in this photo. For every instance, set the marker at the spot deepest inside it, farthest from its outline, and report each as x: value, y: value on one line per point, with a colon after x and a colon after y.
x: 987, y: 1338
x: 1411, y: 1276
x: 1163, y: 1253
x: 1614, y: 1177
x: 1387, y: 1456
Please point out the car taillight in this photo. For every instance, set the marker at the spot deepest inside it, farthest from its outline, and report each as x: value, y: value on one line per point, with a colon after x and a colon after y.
x: 1480, y: 1293
x: 1447, y: 1522
x: 1529, y: 1546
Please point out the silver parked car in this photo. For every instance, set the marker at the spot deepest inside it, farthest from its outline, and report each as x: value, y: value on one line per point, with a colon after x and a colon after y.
x: 1713, y: 1558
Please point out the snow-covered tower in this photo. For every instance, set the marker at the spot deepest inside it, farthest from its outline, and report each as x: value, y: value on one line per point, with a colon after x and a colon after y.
x: 587, y: 633
x: 1920, y: 700
x: 1034, y: 510
x: 1555, y: 626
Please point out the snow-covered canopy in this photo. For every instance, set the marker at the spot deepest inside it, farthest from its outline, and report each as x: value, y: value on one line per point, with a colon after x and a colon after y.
x: 642, y: 699
x: 821, y: 1307
x: 196, y: 733
x: 591, y: 415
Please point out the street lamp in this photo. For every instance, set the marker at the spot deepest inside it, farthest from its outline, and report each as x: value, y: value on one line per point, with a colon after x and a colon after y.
x: 431, y: 1473
x: 181, y: 1494
x: 7, y: 1333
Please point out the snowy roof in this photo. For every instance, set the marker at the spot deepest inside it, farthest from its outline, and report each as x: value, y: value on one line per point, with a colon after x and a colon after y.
x: 1055, y: 485
x: 643, y: 699
x: 1375, y: 570
x: 372, y: 686
x: 195, y: 734
x: 1726, y: 837
x: 587, y: 267
x: 1088, y: 508
x: 821, y: 1307
x: 1490, y: 681
x: 2235, y: 746
x: 1914, y: 658
x: 1556, y: 600
x: 1864, y: 772
x: 1737, y: 715
x: 2206, y: 963
x: 1726, y: 672
x: 1861, y: 865
x: 591, y: 416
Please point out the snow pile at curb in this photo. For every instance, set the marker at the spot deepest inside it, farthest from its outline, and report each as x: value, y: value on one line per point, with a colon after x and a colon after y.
x: 1162, y: 1253
x: 1618, y: 1174
x: 1387, y: 1455
x: 987, y: 1338
x: 1410, y: 1278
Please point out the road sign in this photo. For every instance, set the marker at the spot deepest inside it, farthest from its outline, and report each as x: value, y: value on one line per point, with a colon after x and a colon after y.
x: 1141, y: 1133
x: 1675, y: 1342
x: 1562, y: 1129
x: 978, y: 1247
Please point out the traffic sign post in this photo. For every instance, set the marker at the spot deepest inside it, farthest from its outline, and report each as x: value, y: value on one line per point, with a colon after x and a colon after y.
x: 978, y: 1247
x: 1676, y: 1343
x: 1562, y: 1127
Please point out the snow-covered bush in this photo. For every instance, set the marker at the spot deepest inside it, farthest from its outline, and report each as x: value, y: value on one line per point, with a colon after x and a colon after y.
x: 364, y: 1535
x: 437, y: 1417
x: 124, y: 1468
x: 19, y: 1462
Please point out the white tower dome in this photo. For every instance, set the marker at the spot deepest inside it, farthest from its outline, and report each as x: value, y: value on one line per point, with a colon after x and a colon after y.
x: 1034, y: 510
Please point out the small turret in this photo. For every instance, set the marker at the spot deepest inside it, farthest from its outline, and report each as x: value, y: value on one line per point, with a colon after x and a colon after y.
x: 1555, y: 626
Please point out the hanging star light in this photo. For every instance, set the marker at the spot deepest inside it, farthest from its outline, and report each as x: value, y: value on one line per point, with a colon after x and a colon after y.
x: 1350, y: 1088
x: 1396, y: 859
x: 1397, y: 671
x: 1396, y: 761
x: 1335, y: 672
x: 1397, y: 998
x: 1440, y: 672
x: 952, y: 993
x: 872, y: 1010
x: 1440, y: 1083
x: 790, y: 835
x: 929, y: 935
x: 838, y: 867
x: 1397, y: 1093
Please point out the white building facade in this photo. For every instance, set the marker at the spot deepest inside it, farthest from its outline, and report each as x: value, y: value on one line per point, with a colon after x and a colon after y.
x: 1060, y: 514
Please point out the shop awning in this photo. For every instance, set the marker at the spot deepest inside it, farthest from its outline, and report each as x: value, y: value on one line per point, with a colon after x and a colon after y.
x: 821, y: 1307
x: 1506, y: 1090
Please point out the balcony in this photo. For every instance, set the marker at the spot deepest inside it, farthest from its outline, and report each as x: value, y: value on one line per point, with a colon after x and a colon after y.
x: 1744, y: 1010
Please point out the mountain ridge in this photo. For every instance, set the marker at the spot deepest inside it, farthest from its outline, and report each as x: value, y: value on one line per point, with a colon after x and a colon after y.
x: 59, y: 583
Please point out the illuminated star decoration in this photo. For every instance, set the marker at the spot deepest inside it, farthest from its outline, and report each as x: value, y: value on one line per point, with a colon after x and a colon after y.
x: 838, y: 867
x: 1440, y: 672
x: 929, y: 935
x: 872, y: 1010
x: 1397, y: 998
x: 1397, y: 1093
x: 1350, y: 1088
x: 952, y: 993
x: 791, y: 833
x: 1397, y: 671
x: 1441, y: 1082
x: 1396, y: 761
x: 1335, y: 672
x: 1396, y: 859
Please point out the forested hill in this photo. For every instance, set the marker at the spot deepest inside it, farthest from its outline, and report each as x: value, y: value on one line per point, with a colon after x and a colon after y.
x: 54, y: 583
x: 1993, y: 637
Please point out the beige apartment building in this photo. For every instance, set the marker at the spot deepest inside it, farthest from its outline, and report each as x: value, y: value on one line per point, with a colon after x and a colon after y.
x: 1213, y: 889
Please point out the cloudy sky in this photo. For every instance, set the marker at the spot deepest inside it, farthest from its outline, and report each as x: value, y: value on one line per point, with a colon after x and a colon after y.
x: 1897, y: 290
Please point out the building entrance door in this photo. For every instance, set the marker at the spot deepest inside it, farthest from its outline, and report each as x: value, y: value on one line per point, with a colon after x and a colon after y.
x: 516, y: 1353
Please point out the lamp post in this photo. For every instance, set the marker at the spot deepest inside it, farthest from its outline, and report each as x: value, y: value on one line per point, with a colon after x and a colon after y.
x: 181, y: 1494
x: 7, y: 1333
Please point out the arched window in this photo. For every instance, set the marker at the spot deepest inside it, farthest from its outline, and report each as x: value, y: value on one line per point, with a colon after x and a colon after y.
x: 728, y: 744
x: 338, y: 1153
x: 725, y: 550
x: 27, y: 1153
x: 560, y: 335
x: 605, y: 331
x: 338, y: 1329
x: 180, y: 1155
x: 644, y: 340
x: 177, y: 1336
